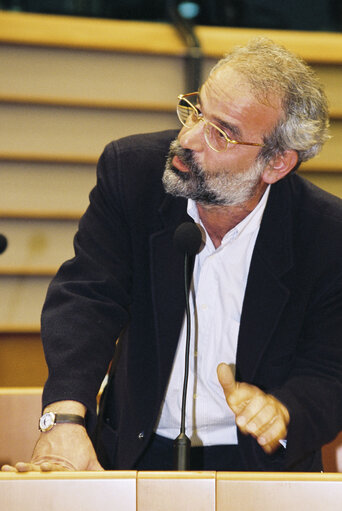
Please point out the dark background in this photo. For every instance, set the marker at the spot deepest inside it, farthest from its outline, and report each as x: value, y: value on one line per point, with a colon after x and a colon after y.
x: 322, y: 15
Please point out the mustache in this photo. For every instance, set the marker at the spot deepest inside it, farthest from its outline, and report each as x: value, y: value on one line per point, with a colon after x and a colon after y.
x: 185, y: 155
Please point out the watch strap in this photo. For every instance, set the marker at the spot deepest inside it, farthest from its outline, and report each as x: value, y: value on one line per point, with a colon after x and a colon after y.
x: 69, y: 418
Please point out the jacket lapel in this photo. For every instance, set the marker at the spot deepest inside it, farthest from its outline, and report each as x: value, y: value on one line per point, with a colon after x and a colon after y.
x: 167, y: 281
x: 266, y: 292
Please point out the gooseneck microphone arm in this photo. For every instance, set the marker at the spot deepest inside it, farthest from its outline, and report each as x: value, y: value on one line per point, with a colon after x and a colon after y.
x: 182, y: 443
x: 188, y: 239
x: 187, y: 342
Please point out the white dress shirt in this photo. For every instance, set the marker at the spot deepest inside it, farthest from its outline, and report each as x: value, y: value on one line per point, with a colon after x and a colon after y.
x: 216, y: 297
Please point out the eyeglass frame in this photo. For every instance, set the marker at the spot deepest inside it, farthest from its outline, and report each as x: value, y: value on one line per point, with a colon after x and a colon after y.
x: 200, y: 117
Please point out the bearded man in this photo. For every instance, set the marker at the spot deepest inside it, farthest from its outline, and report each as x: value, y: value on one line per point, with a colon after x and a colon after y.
x: 265, y: 373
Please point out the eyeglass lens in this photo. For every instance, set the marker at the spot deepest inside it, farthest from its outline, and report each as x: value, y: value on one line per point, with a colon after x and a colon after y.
x: 187, y: 113
x: 189, y: 116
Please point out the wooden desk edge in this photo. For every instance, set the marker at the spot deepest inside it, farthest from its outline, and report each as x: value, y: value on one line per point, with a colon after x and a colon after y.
x: 143, y: 475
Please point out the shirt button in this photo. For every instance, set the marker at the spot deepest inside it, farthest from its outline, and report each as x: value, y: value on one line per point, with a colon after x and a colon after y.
x: 141, y: 435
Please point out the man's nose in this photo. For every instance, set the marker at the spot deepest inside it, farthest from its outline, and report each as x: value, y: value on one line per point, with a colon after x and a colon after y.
x: 192, y: 138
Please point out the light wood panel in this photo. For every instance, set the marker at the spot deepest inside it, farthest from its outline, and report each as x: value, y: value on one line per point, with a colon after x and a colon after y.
x: 153, y: 38
x: 70, y: 131
x: 22, y: 362
x: 262, y: 492
x: 217, y: 41
x: 92, y: 104
x: 45, y: 188
x: 330, y: 158
x: 36, y: 246
x: 172, y: 491
x: 94, y: 34
x: 82, y: 491
x: 21, y: 301
x: 331, y: 78
x: 88, y: 76
x: 67, y: 491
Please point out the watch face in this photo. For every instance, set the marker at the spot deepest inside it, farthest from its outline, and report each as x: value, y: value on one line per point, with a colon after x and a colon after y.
x: 47, y: 421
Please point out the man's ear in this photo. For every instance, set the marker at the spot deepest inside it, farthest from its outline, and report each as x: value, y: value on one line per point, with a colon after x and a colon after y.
x: 280, y: 166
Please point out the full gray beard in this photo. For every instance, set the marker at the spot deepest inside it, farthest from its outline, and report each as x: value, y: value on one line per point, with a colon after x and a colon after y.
x: 221, y: 188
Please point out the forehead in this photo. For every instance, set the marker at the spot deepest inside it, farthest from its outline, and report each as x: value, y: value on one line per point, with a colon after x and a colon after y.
x: 227, y: 95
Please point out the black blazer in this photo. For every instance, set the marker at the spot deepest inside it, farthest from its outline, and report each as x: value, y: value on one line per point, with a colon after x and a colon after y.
x: 127, y: 278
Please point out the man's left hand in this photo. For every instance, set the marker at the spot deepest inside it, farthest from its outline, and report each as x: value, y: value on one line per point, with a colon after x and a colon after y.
x: 256, y: 413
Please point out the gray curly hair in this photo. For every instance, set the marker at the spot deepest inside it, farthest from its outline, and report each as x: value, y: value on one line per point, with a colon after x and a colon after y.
x: 271, y: 69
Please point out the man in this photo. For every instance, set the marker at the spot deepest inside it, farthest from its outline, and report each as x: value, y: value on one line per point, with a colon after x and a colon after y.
x: 266, y: 296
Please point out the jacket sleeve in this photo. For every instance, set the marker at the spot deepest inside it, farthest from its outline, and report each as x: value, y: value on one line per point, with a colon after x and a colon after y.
x: 87, y: 303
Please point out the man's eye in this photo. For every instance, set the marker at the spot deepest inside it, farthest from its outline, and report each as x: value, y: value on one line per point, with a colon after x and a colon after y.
x: 220, y: 133
x: 227, y: 134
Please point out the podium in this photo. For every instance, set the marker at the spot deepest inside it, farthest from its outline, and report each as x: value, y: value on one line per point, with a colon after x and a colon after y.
x: 170, y: 491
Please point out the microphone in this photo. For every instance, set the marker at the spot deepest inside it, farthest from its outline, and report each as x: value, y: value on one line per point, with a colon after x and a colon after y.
x: 187, y: 239
x: 3, y: 243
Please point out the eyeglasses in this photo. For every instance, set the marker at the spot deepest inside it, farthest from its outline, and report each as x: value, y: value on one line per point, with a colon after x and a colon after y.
x: 189, y: 115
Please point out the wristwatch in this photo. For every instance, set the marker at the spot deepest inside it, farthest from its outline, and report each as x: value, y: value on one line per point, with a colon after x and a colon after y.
x: 50, y: 419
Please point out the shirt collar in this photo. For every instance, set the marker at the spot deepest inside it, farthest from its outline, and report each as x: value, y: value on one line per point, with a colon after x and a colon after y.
x: 247, y: 225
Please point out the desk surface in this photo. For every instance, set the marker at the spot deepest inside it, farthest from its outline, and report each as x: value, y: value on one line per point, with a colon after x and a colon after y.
x: 170, y: 491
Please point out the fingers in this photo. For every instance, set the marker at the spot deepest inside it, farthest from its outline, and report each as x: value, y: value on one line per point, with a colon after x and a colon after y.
x: 43, y: 464
x: 256, y: 413
x: 21, y: 466
x: 251, y: 417
x: 26, y: 467
x: 49, y: 463
x: 8, y: 468
x: 273, y: 421
x: 266, y: 419
x: 270, y: 438
x: 54, y: 467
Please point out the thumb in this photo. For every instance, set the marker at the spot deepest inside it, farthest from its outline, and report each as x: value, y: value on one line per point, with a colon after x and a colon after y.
x: 226, y: 378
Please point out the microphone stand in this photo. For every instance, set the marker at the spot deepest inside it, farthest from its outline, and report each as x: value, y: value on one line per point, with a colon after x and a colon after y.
x: 182, y: 443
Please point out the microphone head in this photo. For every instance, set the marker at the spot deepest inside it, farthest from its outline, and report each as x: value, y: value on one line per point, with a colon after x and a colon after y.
x: 188, y: 238
x: 3, y: 243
